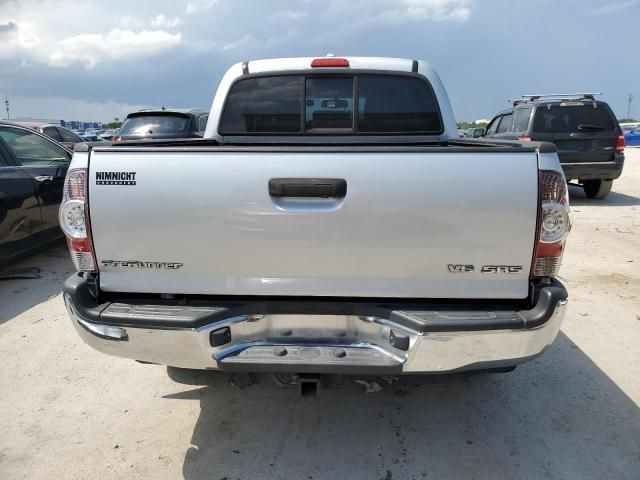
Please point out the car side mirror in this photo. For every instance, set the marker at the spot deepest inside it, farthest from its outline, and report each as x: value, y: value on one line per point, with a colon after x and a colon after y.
x: 479, y: 133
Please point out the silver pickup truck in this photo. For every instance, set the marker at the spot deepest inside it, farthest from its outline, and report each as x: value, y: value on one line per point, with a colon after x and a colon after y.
x: 329, y: 222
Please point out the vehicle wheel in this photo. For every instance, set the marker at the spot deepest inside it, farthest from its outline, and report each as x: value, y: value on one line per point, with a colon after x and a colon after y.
x: 187, y: 376
x: 597, y: 189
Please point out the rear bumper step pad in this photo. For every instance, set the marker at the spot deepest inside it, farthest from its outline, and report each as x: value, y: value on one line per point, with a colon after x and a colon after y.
x: 311, y: 359
x: 422, y: 316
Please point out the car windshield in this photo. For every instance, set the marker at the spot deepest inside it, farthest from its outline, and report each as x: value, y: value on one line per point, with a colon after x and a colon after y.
x: 572, y: 117
x: 140, y: 126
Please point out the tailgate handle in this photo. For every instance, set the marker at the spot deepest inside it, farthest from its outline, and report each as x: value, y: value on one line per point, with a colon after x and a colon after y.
x: 308, y: 187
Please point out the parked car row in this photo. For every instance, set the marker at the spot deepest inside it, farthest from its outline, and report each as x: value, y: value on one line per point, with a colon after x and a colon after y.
x: 632, y: 136
x: 99, y: 135
x: 68, y: 138
x: 148, y: 124
x: 60, y: 134
x: 108, y: 134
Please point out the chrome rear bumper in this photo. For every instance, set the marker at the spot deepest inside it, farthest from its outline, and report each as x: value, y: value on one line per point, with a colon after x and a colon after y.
x: 321, y: 343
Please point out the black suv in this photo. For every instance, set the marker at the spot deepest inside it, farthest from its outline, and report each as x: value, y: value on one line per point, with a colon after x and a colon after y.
x: 163, y: 124
x: 585, y: 131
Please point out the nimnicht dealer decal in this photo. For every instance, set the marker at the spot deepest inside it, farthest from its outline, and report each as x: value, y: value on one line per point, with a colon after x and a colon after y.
x: 115, y: 178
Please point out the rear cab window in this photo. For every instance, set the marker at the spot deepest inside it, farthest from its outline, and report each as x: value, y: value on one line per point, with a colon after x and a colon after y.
x: 350, y: 104
x: 567, y: 117
x: 329, y: 103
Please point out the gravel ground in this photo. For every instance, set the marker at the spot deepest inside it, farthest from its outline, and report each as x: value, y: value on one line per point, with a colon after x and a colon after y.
x: 70, y: 412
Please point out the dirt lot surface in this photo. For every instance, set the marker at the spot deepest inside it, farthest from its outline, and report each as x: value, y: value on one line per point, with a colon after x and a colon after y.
x: 67, y: 411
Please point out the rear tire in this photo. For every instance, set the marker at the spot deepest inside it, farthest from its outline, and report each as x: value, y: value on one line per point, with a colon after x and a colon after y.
x: 597, y: 189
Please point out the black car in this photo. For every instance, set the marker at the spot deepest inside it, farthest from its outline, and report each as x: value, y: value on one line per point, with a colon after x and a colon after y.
x: 32, y: 172
x: 163, y: 124
x: 585, y: 131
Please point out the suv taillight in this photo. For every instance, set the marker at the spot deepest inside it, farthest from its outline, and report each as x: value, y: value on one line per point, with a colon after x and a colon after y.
x: 620, y: 144
x: 74, y: 220
x: 554, y: 224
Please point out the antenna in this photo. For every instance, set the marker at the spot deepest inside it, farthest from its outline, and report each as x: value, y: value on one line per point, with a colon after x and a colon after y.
x: 6, y: 106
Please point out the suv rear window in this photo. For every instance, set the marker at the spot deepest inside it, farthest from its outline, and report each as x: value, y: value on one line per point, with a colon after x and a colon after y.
x: 344, y: 104
x: 572, y: 117
x: 154, y: 125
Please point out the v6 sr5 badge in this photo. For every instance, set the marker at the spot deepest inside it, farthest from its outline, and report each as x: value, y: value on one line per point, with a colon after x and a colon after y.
x: 496, y: 269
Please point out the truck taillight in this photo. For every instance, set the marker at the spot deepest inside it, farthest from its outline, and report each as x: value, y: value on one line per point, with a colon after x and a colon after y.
x: 74, y: 220
x: 620, y: 144
x: 554, y: 224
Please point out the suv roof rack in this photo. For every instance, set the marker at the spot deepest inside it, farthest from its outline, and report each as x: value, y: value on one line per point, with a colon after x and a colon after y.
x: 549, y: 96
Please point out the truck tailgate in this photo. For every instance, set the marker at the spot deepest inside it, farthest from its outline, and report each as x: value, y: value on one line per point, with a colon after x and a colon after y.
x: 410, y: 225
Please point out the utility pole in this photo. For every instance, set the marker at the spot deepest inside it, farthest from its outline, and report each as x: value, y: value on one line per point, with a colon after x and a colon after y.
x: 630, y: 99
x: 6, y: 107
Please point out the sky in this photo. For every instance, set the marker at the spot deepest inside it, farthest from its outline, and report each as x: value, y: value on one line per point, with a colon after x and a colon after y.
x: 98, y: 60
